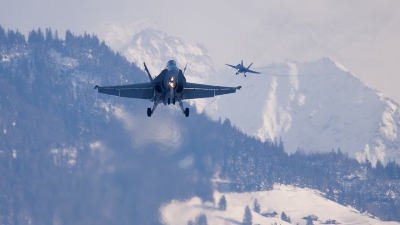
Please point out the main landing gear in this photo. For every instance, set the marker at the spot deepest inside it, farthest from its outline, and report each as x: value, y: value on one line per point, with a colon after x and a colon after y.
x: 187, y: 112
x: 150, y: 111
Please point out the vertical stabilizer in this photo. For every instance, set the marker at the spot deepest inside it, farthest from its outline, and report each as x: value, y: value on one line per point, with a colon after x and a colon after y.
x: 184, y: 69
x: 147, y: 71
x: 249, y: 65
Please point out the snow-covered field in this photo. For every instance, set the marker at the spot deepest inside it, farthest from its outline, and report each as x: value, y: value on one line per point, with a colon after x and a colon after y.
x: 295, y: 202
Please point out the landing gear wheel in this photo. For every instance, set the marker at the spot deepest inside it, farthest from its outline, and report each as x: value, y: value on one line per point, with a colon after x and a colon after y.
x: 173, y: 101
x: 187, y: 112
x: 148, y: 112
x: 169, y: 101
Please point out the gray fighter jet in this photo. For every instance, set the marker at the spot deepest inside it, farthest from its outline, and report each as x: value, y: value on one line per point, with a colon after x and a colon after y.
x: 168, y: 87
x: 241, y: 69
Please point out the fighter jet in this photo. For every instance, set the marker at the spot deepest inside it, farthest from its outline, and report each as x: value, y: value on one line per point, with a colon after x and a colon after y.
x: 168, y: 87
x: 241, y: 69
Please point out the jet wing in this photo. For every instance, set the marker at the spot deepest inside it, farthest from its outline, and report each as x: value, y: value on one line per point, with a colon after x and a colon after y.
x: 251, y: 71
x: 141, y: 91
x: 231, y: 66
x: 192, y: 90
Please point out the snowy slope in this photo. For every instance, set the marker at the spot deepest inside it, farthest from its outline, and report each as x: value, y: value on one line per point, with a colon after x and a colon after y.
x: 295, y: 202
x: 322, y: 106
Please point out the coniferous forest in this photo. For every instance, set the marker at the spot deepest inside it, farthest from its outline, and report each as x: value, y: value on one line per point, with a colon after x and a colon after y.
x: 66, y: 156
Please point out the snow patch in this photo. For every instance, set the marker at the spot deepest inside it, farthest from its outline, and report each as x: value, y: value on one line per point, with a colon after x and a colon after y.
x: 100, y: 151
x: 275, y: 117
x: 388, y: 126
x: 301, y: 99
x: 63, y: 63
x: 186, y: 162
x: 340, y: 66
x: 64, y: 155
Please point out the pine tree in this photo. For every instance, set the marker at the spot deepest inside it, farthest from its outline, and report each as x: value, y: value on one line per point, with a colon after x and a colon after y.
x: 367, y: 163
x: 379, y: 169
x: 11, y: 37
x: 19, y: 38
x: 222, y: 203
x: 340, y: 154
x: 201, y: 219
x: 40, y: 36
x: 32, y: 37
x: 281, y: 144
x: 283, y: 216
x: 247, y: 218
x: 3, y: 36
x: 256, y: 206
x: 49, y: 37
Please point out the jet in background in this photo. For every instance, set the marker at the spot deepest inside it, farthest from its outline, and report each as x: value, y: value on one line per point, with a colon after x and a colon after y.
x: 168, y: 87
x: 241, y: 69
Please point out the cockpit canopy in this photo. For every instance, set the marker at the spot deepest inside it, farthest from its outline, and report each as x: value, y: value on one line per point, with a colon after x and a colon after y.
x: 171, y: 65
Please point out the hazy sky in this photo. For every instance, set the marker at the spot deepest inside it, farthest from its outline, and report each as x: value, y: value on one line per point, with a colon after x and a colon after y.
x: 362, y: 35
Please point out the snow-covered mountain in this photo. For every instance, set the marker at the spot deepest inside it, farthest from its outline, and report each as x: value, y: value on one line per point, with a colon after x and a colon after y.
x: 322, y: 106
x: 155, y: 48
x: 297, y: 203
x: 319, y: 107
